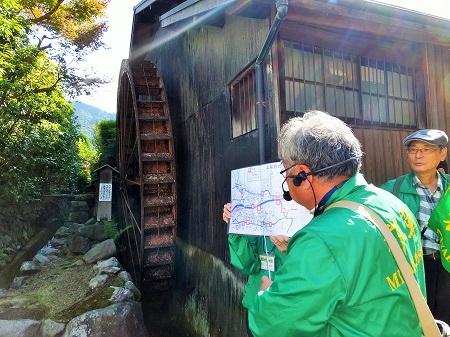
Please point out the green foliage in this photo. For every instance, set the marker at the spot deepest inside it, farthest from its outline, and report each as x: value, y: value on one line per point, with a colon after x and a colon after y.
x: 38, y: 133
x: 105, y: 142
x: 38, y: 157
x: 88, y: 157
x: 67, y: 30
x: 110, y: 229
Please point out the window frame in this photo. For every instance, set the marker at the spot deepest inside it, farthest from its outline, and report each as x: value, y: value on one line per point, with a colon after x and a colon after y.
x: 410, y: 117
x: 242, y: 90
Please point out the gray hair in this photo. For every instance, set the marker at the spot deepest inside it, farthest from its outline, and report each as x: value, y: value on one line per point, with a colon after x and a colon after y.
x: 319, y: 140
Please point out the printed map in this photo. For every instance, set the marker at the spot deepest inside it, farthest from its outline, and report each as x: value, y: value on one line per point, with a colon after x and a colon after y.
x: 258, y: 207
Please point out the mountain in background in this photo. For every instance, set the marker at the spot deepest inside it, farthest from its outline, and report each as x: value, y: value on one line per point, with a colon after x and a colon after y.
x: 87, y: 115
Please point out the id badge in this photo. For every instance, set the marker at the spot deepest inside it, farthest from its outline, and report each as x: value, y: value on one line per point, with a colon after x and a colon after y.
x: 271, y: 265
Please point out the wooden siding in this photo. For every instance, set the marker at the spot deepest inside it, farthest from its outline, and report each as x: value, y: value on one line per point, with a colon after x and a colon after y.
x: 384, y: 157
x: 437, y: 88
x: 197, y: 69
x: 364, y: 17
x: 437, y: 60
x: 198, y: 65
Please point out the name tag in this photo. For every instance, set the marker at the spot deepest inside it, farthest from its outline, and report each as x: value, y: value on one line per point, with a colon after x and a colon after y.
x: 267, y: 266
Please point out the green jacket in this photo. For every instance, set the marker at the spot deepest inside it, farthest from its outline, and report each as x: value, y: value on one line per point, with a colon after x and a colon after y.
x: 407, y: 191
x: 340, y: 278
x: 244, y: 254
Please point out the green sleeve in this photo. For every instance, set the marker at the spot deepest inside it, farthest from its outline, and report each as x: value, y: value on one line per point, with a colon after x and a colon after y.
x: 244, y: 253
x: 303, y: 296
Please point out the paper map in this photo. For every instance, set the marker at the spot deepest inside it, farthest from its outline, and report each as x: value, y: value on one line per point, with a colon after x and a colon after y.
x: 258, y: 207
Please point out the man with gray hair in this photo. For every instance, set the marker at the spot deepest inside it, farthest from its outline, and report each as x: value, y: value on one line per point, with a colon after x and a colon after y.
x: 339, y: 277
x: 421, y: 190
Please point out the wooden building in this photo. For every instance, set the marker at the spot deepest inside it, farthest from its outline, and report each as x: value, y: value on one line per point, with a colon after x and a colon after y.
x: 383, y: 70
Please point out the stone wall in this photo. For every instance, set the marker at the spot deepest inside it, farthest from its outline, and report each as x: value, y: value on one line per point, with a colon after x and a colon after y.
x: 74, y: 285
x: 24, y: 228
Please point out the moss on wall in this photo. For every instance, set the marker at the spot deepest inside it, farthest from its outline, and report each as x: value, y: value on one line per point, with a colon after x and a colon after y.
x: 208, y: 292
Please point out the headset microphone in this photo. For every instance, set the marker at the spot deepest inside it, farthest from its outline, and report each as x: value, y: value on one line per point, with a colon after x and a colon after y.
x: 286, y: 195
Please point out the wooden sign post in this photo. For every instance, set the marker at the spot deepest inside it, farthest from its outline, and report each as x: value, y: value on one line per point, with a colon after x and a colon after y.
x: 104, y: 192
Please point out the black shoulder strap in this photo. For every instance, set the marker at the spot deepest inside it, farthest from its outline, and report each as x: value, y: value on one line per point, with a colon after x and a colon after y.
x: 398, y: 182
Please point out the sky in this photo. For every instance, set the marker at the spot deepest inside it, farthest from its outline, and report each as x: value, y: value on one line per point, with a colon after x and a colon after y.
x: 107, y: 62
x: 120, y: 17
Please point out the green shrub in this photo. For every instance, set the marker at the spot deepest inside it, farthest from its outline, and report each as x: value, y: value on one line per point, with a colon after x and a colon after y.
x: 110, y: 229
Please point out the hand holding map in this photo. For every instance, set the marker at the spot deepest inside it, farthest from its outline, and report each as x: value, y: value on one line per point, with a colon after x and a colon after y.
x: 258, y: 204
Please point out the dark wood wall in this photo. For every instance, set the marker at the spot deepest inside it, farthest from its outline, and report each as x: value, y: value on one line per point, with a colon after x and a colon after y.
x: 197, y: 65
x: 197, y: 68
x: 384, y: 157
x: 437, y: 78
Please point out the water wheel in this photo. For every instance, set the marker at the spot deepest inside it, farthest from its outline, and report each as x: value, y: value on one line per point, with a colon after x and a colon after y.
x: 147, y: 193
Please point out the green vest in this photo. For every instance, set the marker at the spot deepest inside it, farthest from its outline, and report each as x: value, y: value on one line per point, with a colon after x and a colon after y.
x: 339, y: 277
x: 403, y: 188
x: 245, y: 254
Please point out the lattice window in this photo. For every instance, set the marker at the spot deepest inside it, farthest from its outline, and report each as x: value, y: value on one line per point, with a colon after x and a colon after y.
x: 243, y: 106
x: 357, y: 89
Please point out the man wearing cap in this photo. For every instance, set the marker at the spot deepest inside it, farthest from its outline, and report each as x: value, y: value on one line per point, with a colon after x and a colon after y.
x: 421, y: 190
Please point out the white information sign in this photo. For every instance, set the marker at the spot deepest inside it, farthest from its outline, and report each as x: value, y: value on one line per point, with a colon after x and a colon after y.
x: 258, y: 206
x: 105, y: 192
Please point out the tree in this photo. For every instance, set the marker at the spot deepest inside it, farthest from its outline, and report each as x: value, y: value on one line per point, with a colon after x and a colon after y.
x: 67, y: 30
x: 105, y: 142
x: 88, y: 159
x: 38, y: 150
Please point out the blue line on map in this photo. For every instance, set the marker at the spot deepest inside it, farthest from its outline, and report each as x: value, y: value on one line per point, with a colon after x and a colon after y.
x: 252, y: 207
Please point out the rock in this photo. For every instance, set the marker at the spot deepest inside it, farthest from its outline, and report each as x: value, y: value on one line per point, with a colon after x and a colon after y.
x: 101, y: 251
x: 62, y: 232
x: 117, y: 320
x: 19, y: 328
x: 79, y: 263
x: 125, y: 276
x: 29, y: 268
x: 17, y: 282
x: 74, y: 227
x: 121, y: 294
x: 91, y: 221
x: 109, y: 270
x: 58, y: 243
x: 137, y: 293
x: 41, y: 259
x: 80, y: 245
x: 61, y: 285
x: 79, y: 206
x: 80, y: 217
x: 50, y: 251
x: 51, y: 328
x: 111, y: 262
x: 98, y: 281
x: 93, y: 232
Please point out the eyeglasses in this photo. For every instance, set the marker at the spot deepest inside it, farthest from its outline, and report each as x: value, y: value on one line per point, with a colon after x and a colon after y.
x: 285, y: 172
x: 424, y: 151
